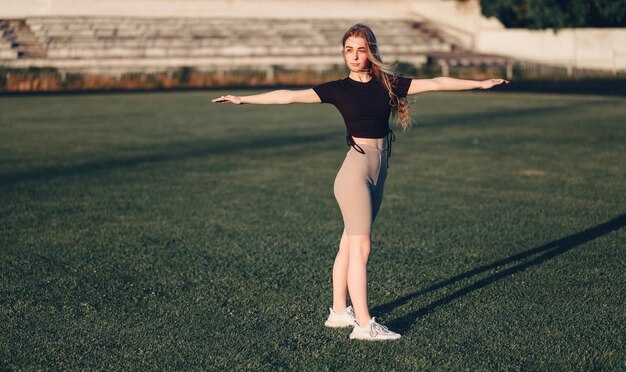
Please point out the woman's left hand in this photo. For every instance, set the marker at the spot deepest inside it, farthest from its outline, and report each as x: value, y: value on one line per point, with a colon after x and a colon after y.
x: 486, y: 84
x: 232, y: 99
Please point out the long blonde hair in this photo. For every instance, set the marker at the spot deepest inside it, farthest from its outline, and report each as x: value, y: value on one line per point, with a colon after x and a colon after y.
x: 383, y: 72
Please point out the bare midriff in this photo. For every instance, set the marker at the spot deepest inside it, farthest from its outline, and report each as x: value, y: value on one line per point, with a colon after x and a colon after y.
x: 376, y: 142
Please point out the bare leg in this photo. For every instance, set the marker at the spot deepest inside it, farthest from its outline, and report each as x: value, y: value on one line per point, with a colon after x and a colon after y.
x: 359, y: 247
x: 340, y: 275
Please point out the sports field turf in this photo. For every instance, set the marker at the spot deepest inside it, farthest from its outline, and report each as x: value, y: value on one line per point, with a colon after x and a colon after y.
x: 161, y: 231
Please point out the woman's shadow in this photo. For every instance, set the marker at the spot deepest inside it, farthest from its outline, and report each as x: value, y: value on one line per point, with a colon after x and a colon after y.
x: 549, y: 250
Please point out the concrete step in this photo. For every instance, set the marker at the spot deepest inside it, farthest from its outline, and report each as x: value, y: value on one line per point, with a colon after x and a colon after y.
x: 23, y: 41
x: 8, y: 54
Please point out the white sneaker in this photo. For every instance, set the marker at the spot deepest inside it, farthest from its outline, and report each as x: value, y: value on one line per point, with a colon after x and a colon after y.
x: 345, y: 319
x: 373, y: 332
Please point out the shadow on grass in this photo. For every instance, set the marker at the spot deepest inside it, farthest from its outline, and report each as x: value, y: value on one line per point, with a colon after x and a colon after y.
x: 549, y: 250
x: 193, y: 150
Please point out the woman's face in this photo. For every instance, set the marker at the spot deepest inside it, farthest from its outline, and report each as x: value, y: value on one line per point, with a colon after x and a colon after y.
x: 355, y: 54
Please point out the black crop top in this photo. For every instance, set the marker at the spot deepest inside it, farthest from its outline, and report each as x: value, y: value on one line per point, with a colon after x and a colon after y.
x: 365, y: 107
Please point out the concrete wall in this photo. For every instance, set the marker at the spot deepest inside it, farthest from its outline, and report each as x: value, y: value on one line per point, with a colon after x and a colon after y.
x: 588, y: 48
x: 208, y: 8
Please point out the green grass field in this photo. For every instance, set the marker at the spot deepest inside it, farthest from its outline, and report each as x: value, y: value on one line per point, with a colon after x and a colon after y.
x: 161, y: 231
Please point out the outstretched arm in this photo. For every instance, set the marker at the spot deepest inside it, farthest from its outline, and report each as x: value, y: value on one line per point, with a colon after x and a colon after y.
x: 448, y: 83
x: 278, y: 97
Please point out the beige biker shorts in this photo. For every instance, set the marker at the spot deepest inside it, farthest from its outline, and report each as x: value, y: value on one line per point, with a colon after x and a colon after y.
x: 359, y: 188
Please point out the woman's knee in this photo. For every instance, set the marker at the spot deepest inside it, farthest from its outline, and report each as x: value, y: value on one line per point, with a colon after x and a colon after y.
x: 359, y: 246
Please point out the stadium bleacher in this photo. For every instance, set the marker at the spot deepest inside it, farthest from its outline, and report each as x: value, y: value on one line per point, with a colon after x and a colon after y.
x: 136, y: 43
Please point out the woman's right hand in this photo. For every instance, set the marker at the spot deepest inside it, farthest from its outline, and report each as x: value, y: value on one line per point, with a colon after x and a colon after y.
x: 232, y: 99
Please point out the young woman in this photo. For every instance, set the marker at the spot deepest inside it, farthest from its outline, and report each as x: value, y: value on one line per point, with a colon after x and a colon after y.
x: 365, y: 99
